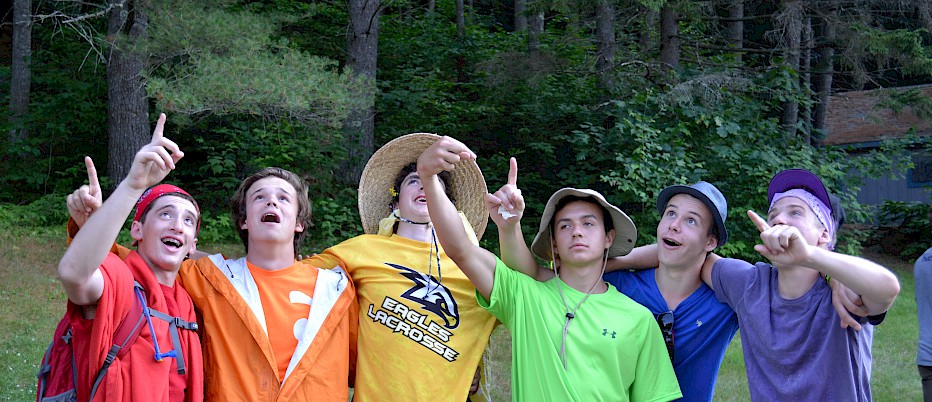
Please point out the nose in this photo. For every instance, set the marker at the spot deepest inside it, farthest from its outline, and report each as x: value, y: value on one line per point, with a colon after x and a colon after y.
x: 177, y: 224
x: 675, y: 225
x: 778, y: 219
x: 577, y: 231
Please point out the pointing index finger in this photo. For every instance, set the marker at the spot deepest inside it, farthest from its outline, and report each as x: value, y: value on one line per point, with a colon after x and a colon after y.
x: 157, y: 134
x: 92, y: 175
x: 758, y: 221
x: 513, y: 171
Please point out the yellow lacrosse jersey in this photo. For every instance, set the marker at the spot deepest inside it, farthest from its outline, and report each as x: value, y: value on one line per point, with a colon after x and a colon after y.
x: 422, y: 333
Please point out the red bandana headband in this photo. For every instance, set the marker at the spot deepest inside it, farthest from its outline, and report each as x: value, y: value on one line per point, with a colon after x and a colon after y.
x: 154, y: 192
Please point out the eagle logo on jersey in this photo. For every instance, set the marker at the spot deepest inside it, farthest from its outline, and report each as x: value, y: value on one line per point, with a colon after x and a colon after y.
x: 431, y: 294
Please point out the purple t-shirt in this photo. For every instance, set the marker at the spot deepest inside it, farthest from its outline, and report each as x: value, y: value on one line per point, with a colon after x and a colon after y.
x: 794, y: 350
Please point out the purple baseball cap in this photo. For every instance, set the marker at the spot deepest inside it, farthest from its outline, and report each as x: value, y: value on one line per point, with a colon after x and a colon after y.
x: 798, y: 178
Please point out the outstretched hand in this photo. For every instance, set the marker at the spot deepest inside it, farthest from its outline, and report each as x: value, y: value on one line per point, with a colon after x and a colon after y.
x: 782, y: 244
x: 86, y: 199
x: 155, y: 160
x: 506, y: 206
x: 442, y: 155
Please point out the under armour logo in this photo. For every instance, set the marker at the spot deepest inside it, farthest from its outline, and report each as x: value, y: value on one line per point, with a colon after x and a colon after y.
x: 698, y: 323
x: 605, y: 333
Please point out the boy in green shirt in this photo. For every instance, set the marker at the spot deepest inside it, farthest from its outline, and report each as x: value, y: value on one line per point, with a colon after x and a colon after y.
x: 574, y: 338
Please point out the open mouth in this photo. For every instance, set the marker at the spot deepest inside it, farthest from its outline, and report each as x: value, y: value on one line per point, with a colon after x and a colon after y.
x: 270, y: 217
x: 174, y: 243
x: 671, y: 243
x: 421, y: 199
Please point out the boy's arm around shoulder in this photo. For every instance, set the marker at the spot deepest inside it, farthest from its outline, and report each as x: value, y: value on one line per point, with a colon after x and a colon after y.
x: 877, y: 286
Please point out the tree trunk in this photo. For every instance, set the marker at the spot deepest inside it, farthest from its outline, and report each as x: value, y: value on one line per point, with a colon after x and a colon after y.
x: 431, y: 6
x: 605, y: 44
x: 460, y: 21
x: 362, y: 53
x: 646, y: 37
x: 736, y: 27
x: 128, y: 110
x: 669, y: 38
x: 792, y: 29
x: 805, y: 77
x: 825, y: 69
x: 20, y: 69
x: 520, y: 15
x: 535, y: 30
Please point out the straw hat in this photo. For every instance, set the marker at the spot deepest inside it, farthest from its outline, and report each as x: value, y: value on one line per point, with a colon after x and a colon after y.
x: 378, y: 177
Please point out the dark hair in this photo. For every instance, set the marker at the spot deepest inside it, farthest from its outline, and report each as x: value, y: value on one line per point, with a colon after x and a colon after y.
x: 445, y: 177
x: 142, y: 218
x: 606, y: 217
x: 238, y: 203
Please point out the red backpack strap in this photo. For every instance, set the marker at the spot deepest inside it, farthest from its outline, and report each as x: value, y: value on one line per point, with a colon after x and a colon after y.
x: 125, y: 334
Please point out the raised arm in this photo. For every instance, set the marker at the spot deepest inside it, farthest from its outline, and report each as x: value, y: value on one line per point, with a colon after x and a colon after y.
x: 477, y: 263
x: 876, y: 285
x: 79, y: 268
x: 506, y: 207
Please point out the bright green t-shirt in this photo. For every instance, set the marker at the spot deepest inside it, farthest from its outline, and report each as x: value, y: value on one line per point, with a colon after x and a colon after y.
x: 614, y: 349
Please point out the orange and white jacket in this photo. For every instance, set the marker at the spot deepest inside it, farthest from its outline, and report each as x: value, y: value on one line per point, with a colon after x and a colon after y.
x: 238, y: 359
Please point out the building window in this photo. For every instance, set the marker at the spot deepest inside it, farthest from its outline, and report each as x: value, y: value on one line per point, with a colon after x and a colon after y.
x: 921, y: 175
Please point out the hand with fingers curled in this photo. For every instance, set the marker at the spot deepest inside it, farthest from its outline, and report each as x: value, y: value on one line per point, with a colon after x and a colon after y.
x: 442, y: 155
x: 847, y: 301
x: 87, y: 199
x: 155, y: 160
x: 506, y: 206
x: 782, y: 244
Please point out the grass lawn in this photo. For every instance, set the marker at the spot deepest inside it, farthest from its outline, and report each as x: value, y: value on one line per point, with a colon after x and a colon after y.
x: 32, y: 302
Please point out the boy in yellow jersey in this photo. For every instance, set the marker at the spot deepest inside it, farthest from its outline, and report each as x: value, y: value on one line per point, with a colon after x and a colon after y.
x: 421, y: 332
x: 274, y: 328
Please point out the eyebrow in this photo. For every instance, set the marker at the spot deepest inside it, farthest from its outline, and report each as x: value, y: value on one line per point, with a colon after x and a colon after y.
x: 687, y: 213
x: 591, y: 216
x: 282, y: 189
x: 174, y: 207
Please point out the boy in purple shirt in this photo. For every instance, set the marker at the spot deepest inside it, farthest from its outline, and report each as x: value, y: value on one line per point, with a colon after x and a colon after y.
x: 795, y: 346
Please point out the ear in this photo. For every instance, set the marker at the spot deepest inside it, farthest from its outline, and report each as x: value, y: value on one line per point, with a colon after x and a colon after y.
x: 824, y: 239
x: 243, y: 225
x: 298, y: 227
x: 609, y: 238
x: 136, y: 230
x: 711, y: 244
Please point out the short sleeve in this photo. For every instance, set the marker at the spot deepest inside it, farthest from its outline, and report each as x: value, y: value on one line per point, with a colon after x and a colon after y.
x: 731, y: 278
x: 502, y: 301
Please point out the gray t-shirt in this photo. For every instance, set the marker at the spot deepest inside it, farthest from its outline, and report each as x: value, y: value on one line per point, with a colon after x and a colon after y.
x: 923, y: 274
x: 794, y: 350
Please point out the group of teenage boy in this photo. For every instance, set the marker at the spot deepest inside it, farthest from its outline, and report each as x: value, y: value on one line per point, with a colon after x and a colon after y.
x: 405, y: 311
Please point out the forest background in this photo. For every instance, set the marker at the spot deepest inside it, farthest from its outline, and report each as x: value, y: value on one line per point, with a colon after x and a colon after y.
x: 623, y: 96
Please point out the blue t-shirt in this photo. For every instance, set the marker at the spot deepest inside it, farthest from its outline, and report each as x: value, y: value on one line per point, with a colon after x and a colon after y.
x: 794, y: 349
x: 702, y: 329
x: 923, y: 274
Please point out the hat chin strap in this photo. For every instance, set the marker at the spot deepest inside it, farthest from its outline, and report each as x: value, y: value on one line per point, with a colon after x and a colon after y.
x: 570, y: 315
x: 408, y: 221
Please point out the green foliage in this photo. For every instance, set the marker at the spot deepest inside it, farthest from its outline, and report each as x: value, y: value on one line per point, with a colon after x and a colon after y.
x: 217, y: 229
x: 903, y: 46
x: 907, y: 225
x: 334, y: 219
x: 48, y: 210
x: 212, y: 59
